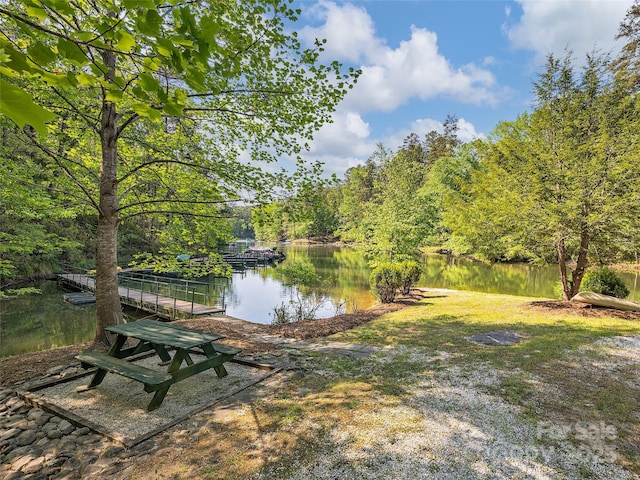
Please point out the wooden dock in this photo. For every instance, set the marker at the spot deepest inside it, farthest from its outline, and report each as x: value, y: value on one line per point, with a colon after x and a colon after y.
x: 163, y: 306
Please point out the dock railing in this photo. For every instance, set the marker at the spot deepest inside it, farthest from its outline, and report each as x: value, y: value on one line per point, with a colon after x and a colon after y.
x: 193, y: 291
x: 154, y: 293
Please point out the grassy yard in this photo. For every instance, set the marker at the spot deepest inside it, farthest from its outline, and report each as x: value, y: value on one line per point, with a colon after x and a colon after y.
x: 563, y: 403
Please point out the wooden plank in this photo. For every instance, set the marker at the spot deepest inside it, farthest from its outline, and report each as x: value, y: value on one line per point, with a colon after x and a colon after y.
x: 226, y: 349
x: 147, y: 301
x: 161, y: 333
x: 124, y: 368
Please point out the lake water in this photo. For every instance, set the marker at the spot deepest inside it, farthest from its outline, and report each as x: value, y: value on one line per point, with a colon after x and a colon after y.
x: 38, y: 322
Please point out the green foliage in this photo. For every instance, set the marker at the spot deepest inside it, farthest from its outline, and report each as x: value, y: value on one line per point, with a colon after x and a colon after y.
x: 409, y: 275
x: 557, y: 185
x: 299, y: 274
x: 14, y: 292
x: 212, y: 264
x: 302, y: 275
x: 160, y: 105
x: 385, y: 281
x: 604, y: 281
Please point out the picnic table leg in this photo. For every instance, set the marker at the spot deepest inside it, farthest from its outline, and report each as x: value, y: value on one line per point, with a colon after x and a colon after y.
x: 180, y: 356
x: 163, y: 354
x: 157, y: 399
x: 95, y: 381
x: 211, y: 353
x: 117, y: 346
x: 98, y: 377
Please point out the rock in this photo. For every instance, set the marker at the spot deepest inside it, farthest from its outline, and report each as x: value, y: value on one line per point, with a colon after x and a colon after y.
x: 34, y: 465
x: 53, y: 433
x: 496, y: 339
x: 14, y: 476
x: 111, y: 451
x: 82, y: 431
x: 26, y: 438
x: 21, y: 461
x: 12, y: 432
x: 56, y: 370
x: 65, y: 427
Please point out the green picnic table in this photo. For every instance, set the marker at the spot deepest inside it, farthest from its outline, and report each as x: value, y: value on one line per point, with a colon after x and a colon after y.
x: 157, y: 336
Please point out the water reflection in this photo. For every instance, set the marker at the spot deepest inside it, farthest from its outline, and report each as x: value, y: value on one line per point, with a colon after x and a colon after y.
x: 38, y: 322
x: 253, y: 294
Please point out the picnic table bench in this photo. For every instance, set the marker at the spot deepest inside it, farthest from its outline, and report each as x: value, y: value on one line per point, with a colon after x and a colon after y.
x: 157, y: 336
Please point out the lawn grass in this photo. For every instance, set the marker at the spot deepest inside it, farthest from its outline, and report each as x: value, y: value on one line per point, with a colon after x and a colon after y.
x: 550, y: 374
x: 558, y: 376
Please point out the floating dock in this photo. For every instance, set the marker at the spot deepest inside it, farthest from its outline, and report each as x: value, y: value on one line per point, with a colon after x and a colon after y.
x: 169, y: 307
x: 79, y: 298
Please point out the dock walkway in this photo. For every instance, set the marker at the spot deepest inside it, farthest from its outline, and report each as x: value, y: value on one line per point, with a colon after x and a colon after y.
x: 163, y: 306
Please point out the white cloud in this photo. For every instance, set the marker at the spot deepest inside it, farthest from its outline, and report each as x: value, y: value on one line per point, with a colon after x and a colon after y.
x: 416, y: 69
x: 348, y: 29
x: 578, y: 25
x: 342, y: 144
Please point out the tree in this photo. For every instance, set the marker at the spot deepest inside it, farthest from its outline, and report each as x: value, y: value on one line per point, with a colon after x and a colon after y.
x: 446, y: 179
x: 33, y: 222
x: 212, y: 81
x: 561, y: 181
x: 399, y: 218
x: 357, y: 192
x: 445, y: 144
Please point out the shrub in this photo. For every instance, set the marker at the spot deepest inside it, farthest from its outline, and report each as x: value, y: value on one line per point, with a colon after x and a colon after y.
x: 385, y: 280
x: 409, y: 275
x: 606, y: 282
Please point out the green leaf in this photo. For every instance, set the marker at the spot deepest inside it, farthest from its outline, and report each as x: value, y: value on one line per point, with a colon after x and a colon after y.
x: 195, y: 79
x: 41, y: 54
x: 164, y: 47
x: 62, y: 6
x: 178, y: 40
x: 4, y: 58
x: 72, y: 52
x: 146, y: 111
x: 126, y: 41
x: 114, y: 95
x: 131, y: 4
x: 37, y: 12
x: 86, y: 79
x: 85, y: 36
x: 57, y: 80
x: 18, y: 61
x: 148, y: 82
x: 154, y: 21
x: 173, y: 108
x: 18, y: 105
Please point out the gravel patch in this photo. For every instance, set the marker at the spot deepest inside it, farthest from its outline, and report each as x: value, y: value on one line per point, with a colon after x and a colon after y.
x: 119, y: 404
x: 449, y: 427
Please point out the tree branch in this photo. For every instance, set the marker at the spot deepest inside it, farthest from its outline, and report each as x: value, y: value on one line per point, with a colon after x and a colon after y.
x: 173, y: 212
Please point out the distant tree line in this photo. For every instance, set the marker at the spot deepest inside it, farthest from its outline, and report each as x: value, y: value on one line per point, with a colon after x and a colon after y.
x: 560, y: 184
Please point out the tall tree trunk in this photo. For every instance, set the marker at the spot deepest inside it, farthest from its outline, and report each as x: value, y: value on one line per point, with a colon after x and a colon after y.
x: 581, y: 261
x: 108, y: 308
x: 562, y: 264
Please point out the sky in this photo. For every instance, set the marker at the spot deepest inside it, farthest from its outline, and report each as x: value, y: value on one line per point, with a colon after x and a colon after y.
x: 422, y: 60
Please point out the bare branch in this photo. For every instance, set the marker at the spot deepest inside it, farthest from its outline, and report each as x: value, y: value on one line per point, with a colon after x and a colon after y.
x: 90, y: 121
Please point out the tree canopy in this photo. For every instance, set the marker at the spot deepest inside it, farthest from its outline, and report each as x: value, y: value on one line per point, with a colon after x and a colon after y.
x: 161, y: 108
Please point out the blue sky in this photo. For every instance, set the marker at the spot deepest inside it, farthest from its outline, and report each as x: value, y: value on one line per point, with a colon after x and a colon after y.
x: 425, y: 59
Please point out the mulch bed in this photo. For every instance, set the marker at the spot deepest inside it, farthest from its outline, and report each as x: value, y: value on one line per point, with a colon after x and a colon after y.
x: 583, y: 309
